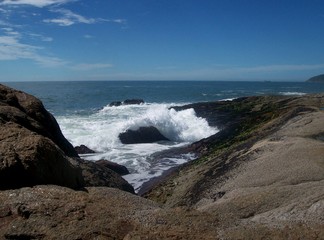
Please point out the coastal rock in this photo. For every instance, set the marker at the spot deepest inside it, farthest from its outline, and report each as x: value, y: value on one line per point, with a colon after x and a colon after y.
x: 28, y: 159
x: 32, y: 148
x: 97, y: 175
x: 115, y: 104
x: 133, y: 101
x: 82, y: 149
x: 29, y: 112
x: 142, y: 135
x: 127, y: 102
x: 120, y: 169
x: 34, y: 151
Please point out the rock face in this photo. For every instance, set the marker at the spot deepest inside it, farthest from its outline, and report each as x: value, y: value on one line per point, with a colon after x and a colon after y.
x: 268, y: 173
x: 32, y: 147
x: 29, y: 112
x: 142, y: 135
x: 33, y: 150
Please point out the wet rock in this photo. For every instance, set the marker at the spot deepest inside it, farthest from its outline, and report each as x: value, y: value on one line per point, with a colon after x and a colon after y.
x: 82, y: 149
x: 120, y: 169
x: 142, y: 135
x: 97, y: 175
x: 115, y: 104
x: 126, y: 102
x: 133, y: 101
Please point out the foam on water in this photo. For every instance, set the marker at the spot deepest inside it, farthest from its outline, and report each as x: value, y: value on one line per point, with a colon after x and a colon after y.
x: 99, y: 131
x: 292, y: 93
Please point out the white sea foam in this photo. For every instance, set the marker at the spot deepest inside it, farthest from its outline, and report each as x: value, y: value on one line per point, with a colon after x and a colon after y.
x: 99, y: 131
x: 292, y: 93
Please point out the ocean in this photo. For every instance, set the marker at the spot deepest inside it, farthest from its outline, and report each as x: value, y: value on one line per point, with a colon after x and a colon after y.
x: 85, y: 117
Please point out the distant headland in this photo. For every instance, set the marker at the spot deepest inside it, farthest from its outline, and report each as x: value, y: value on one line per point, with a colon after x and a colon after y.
x: 319, y: 78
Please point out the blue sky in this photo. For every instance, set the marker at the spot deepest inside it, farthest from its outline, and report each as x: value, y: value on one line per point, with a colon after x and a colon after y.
x: 43, y: 40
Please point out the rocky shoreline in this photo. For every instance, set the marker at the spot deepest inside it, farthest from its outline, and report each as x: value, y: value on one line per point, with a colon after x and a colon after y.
x: 260, y: 177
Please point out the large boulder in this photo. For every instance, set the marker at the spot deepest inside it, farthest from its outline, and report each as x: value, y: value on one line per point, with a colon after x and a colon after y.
x: 29, y: 112
x: 34, y: 151
x: 28, y: 159
x: 142, y: 135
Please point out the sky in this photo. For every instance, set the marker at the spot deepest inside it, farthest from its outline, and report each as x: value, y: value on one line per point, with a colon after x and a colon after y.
x: 69, y: 40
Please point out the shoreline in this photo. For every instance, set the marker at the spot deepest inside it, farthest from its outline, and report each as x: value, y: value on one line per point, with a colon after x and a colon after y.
x: 261, y: 176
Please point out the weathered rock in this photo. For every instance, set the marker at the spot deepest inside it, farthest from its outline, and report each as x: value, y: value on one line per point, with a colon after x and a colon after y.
x: 120, y: 169
x: 28, y: 159
x: 96, y: 175
x: 52, y: 212
x: 82, y: 149
x: 34, y: 151
x: 29, y: 112
x: 264, y: 181
x: 142, y: 135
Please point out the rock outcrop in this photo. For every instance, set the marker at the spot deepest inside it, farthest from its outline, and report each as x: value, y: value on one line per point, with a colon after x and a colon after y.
x: 260, y: 177
x: 29, y: 112
x: 33, y: 150
x: 32, y: 147
x: 127, y: 102
x: 142, y: 135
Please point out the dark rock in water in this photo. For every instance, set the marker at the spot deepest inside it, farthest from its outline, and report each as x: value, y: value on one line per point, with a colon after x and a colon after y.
x: 115, y: 104
x: 142, y: 135
x: 120, y: 169
x: 82, y: 149
x: 97, y: 175
x: 126, y: 102
x: 133, y: 101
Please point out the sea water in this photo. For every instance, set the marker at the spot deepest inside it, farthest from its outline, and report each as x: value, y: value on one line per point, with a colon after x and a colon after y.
x: 85, y: 117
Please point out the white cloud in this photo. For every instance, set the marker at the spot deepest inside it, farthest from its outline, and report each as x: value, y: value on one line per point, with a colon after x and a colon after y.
x: 91, y: 66
x: 69, y: 18
x: 11, y: 48
x: 35, y: 3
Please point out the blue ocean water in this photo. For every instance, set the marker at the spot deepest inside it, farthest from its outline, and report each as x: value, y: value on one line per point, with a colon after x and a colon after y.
x: 85, y: 117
